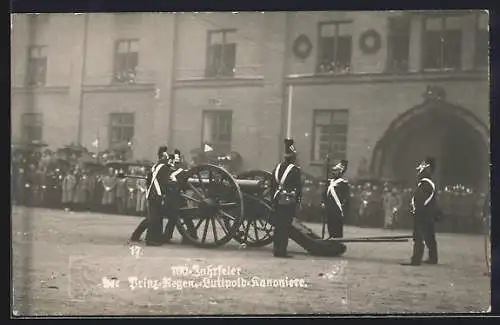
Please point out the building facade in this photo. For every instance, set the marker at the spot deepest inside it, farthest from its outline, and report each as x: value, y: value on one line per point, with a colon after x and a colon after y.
x: 381, y: 89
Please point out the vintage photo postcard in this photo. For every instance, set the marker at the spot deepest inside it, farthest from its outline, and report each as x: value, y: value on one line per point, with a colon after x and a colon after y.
x: 250, y: 163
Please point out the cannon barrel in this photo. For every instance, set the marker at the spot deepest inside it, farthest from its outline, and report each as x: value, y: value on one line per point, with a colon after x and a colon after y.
x: 243, y: 183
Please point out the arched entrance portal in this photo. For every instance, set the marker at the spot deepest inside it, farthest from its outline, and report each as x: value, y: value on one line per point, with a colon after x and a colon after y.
x: 452, y: 135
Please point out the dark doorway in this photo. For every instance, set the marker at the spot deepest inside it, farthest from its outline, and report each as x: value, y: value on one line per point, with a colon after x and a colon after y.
x: 462, y: 156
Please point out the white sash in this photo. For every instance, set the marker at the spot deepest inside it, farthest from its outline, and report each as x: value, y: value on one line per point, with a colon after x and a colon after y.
x: 430, y: 196
x: 433, y: 190
x: 154, y: 181
x: 173, y: 176
x: 333, y: 193
x: 283, y: 177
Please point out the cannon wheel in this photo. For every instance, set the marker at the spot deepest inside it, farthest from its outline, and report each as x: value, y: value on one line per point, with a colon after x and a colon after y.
x: 256, y: 229
x: 211, y: 207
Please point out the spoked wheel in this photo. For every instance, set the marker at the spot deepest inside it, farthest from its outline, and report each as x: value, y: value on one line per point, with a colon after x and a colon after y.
x: 211, y: 207
x: 256, y: 229
x: 487, y: 235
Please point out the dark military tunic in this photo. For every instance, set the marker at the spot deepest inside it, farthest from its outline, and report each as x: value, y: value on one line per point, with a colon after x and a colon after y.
x: 425, y: 212
x: 157, y: 181
x: 336, y: 200
x: 175, y: 201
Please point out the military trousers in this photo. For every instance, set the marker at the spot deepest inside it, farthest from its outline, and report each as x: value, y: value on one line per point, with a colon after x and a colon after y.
x: 155, y: 222
x: 334, y: 222
x: 282, y: 220
x: 424, y: 234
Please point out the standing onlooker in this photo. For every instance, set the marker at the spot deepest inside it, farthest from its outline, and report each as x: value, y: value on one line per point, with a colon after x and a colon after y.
x: 131, y: 187
x: 98, y: 192
x: 109, y: 184
x: 386, y: 196
x: 141, y: 193
x: 82, y: 190
x: 121, y: 192
x: 68, y: 188
x: 392, y: 206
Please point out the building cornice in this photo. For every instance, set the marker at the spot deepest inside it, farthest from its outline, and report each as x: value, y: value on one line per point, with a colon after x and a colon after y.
x: 321, y: 79
x: 219, y: 82
x: 118, y: 88
x: 40, y: 90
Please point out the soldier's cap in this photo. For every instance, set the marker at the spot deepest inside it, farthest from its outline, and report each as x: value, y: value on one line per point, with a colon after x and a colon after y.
x: 289, y: 148
x: 428, y: 162
x: 162, y: 150
x: 342, y: 165
x: 177, y: 155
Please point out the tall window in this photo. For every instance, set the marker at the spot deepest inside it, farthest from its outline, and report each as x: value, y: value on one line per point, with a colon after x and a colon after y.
x: 335, y: 47
x: 482, y: 41
x: 330, y: 134
x: 126, y: 60
x: 121, y: 128
x: 37, y: 66
x: 217, y: 129
x: 442, y: 43
x: 398, y: 44
x: 32, y: 126
x: 221, y: 53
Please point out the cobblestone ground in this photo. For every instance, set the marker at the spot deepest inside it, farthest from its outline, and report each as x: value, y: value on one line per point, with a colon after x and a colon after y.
x: 61, y: 258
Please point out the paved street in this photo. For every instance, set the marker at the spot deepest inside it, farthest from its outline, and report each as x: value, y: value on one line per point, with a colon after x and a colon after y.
x: 61, y: 258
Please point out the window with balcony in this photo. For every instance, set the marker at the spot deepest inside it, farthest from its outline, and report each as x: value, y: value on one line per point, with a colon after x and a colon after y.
x: 481, y: 55
x: 37, y: 66
x: 32, y: 126
x: 121, y: 129
x: 221, y: 53
x: 398, y: 44
x: 334, y: 47
x: 126, y: 60
x: 217, y: 129
x: 442, y: 43
x: 330, y: 134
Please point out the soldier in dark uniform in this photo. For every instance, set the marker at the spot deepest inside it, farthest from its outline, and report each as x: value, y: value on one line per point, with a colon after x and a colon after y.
x: 155, y: 194
x: 425, y: 211
x: 174, y: 200
x: 336, y: 200
x: 287, y: 189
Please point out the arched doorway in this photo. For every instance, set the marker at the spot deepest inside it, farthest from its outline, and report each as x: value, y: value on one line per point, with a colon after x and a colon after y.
x: 457, y: 139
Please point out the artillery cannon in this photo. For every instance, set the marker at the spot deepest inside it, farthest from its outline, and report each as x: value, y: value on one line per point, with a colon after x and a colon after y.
x: 212, y: 204
x: 216, y: 207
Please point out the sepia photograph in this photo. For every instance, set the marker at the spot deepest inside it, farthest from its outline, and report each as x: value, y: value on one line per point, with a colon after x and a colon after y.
x: 250, y: 163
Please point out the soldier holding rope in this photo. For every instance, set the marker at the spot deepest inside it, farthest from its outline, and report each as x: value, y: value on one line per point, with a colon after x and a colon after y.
x: 425, y: 211
x: 287, y: 189
x: 155, y: 196
x: 173, y: 199
x: 335, y: 200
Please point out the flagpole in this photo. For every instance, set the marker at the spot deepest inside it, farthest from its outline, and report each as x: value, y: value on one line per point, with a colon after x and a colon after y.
x: 289, y: 115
